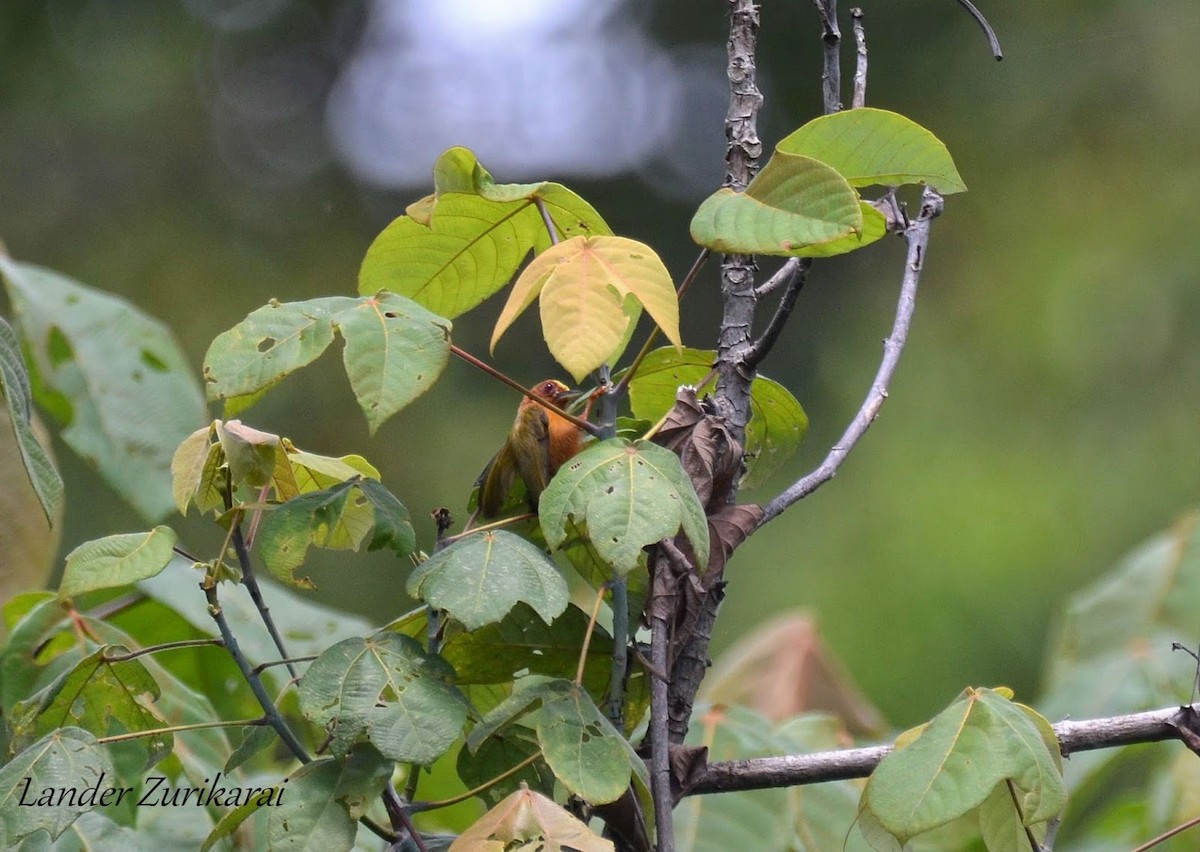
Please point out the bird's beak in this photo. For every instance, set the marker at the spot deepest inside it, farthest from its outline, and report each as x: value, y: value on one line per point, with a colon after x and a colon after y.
x: 567, y: 397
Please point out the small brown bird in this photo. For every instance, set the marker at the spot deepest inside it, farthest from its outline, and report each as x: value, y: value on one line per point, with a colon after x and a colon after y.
x: 537, y: 446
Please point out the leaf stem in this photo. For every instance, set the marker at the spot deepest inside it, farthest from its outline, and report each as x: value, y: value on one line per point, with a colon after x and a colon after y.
x: 587, y: 636
x: 251, y: 582
x: 550, y: 229
x: 494, y: 525
x: 917, y: 237
x: 165, y: 646
x: 174, y: 729
x: 421, y: 807
x: 590, y: 428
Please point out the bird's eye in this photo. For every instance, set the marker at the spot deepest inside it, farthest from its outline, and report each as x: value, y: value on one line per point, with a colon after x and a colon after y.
x: 549, y: 388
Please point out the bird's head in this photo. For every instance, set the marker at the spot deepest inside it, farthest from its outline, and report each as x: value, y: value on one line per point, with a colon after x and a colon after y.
x: 552, y: 391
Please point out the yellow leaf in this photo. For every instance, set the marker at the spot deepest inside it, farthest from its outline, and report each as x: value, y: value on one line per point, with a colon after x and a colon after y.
x: 592, y: 291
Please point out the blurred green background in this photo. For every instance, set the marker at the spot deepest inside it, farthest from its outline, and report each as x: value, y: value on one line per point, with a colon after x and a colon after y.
x: 1044, y: 418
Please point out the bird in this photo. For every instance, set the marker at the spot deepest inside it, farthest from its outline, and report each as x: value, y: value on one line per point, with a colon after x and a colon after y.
x: 539, y: 443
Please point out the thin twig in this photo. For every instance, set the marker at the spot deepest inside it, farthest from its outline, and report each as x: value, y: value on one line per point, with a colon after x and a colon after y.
x: 176, y: 729
x: 993, y: 42
x: 421, y: 807
x: 308, y: 658
x: 274, y: 719
x: 587, y: 636
x: 590, y: 428
x: 256, y: 594
x: 1167, y: 835
x: 793, y: 770
x: 831, y: 72
x: 166, y: 646
x: 550, y: 228
x: 859, y: 99
x: 783, y: 275
x: 917, y: 237
x: 787, y: 302
x: 1034, y: 846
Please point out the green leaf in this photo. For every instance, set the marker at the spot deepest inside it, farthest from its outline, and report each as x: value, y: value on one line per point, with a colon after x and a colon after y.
x: 395, y: 350
x: 336, y: 518
x: 365, y: 774
x: 499, y: 754
x: 23, y: 656
x: 116, y: 560
x: 629, y: 495
x: 587, y: 754
x: 523, y: 642
x: 18, y: 399
x: 309, y: 816
x: 794, y: 204
x: 386, y: 688
x: 1000, y: 825
x: 777, y: 422
x: 592, y: 290
x: 467, y: 243
x: 955, y: 763
x: 874, y: 228
x: 114, y: 379
x: 480, y: 578
x: 68, y: 757
x: 873, y: 146
x: 272, y: 342
x: 101, y: 697
x: 526, y: 691
x: 471, y: 249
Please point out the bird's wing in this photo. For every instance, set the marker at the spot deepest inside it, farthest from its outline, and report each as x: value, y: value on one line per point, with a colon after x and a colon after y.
x: 496, y: 481
x: 535, y: 466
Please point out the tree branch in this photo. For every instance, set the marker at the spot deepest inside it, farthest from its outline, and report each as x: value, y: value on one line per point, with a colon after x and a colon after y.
x: 993, y: 42
x: 859, y: 100
x: 793, y: 770
x: 917, y: 237
x: 797, y: 270
x: 831, y: 73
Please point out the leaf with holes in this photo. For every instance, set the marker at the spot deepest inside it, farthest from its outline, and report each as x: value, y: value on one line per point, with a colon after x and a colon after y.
x: 795, y: 206
x: 394, y: 350
x: 269, y: 344
x: 587, y: 754
x: 478, y: 579
x: 387, y: 689
x: 113, y: 377
x: 102, y: 697
x: 628, y: 495
x: 873, y: 146
x: 335, y: 518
